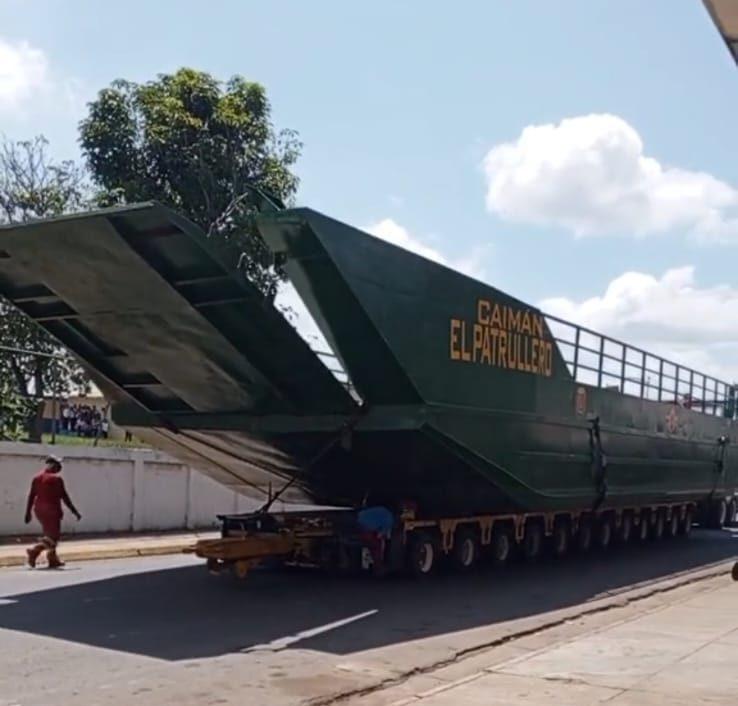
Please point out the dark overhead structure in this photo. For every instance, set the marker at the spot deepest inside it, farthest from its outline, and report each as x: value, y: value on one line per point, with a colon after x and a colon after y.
x: 724, y: 14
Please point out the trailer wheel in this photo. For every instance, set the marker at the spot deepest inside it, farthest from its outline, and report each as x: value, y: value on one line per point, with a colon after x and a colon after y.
x: 501, y: 545
x: 560, y: 539
x: 718, y: 512
x: 643, y: 527
x: 465, y: 551
x: 604, y: 532
x: 685, y: 525
x: 422, y: 551
x: 346, y: 560
x: 584, y: 536
x: 626, y: 528
x: 730, y: 520
x: 533, y: 541
x: 658, y: 525
x: 672, y: 526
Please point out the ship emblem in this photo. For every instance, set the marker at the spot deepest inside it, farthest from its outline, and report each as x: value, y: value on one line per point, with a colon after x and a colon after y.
x: 672, y: 421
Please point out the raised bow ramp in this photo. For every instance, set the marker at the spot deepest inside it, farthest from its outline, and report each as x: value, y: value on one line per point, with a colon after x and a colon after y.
x: 173, y: 334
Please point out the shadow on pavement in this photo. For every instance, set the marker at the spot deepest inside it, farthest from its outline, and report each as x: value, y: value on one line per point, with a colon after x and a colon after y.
x: 184, y: 613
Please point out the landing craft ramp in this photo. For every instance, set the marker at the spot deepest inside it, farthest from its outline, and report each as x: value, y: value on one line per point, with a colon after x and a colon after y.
x: 169, y: 328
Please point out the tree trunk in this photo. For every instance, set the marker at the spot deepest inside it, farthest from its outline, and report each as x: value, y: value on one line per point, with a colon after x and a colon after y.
x: 36, y: 427
x: 36, y: 424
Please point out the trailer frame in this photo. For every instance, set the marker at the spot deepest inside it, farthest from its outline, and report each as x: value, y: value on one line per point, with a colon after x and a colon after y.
x: 321, y: 538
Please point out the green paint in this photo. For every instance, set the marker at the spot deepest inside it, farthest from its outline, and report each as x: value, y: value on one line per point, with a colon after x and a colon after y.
x: 467, y: 403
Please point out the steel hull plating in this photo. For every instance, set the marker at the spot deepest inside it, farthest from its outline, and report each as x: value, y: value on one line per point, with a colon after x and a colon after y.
x: 467, y: 405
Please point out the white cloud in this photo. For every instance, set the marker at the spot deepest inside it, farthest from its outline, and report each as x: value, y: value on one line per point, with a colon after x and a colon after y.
x: 671, y: 316
x: 24, y: 71
x: 29, y: 86
x: 589, y: 174
x: 289, y: 302
x: 391, y: 231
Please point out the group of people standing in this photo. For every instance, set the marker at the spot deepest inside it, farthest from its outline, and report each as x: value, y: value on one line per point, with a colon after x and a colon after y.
x: 84, y: 420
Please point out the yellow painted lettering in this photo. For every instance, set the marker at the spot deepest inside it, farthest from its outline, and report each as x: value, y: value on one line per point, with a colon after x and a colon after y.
x: 512, y: 353
x: 454, y: 340
x: 525, y: 323
x: 495, y: 337
x: 496, y: 321
x: 521, y: 352
x: 534, y: 355
x: 483, y: 307
x: 548, y: 364
x: 486, y: 348
x: 513, y: 320
x: 538, y: 325
x: 502, y: 349
x: 465, y: 354
x: 477, y: 341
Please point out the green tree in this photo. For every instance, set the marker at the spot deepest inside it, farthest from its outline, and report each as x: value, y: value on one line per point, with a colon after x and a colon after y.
x: 196, y: 145
x: 32, y: 185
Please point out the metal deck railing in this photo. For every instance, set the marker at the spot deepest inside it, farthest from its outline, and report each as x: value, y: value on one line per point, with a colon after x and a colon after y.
x: 596, y: 359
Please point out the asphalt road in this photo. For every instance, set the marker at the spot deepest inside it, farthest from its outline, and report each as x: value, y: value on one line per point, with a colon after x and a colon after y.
x: 162, y: 630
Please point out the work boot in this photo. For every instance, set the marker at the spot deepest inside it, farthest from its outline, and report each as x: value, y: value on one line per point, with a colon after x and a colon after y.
x: 33, y: 554
x: 54, y: 561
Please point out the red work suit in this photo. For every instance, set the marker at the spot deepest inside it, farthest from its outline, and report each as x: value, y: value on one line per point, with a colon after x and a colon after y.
x: 48, y: 491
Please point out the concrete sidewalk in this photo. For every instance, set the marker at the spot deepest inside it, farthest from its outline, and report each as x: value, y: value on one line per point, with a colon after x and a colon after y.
x: 106, y: 547
x: 678, y: 649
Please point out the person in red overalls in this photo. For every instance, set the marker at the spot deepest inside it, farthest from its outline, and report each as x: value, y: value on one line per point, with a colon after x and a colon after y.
x: 45, y: 500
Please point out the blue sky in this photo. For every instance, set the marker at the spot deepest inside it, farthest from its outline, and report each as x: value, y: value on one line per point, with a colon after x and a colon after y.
x: 399, y: 103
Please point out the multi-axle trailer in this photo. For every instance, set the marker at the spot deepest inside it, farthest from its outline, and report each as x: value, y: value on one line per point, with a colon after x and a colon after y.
x: 341, y: 540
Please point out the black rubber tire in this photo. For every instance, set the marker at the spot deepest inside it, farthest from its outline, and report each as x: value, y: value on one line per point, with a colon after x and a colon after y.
x: 644, y: 531
x: 585, y: 535
x: 717, y: 513
x: 605, y: 532
x: 685, y: 524
x: 560, y: 539
x: 347, y: 561
x: 533, y: 541
x: 625, y: 531
x: 501, y: 545
x: 731, y: 520
x: 421, y: 554
x: 465, y: 552
x: 672, y: 526
x: 658, y: 525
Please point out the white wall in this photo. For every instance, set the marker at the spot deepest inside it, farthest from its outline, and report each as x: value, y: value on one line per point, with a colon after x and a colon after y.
x: 115, y: 489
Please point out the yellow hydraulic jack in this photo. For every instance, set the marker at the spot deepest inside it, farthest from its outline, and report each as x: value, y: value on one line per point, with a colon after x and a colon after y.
x: 244, y: 553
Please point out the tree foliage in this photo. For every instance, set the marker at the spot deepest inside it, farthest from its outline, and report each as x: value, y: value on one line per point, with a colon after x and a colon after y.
x: 196, y: 145
x: 32, y: 185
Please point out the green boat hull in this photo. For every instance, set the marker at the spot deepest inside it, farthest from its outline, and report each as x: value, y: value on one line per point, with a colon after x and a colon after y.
x: 460, y: 397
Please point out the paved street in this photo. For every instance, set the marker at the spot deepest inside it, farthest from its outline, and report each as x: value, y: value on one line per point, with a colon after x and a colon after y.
x: 162, y: 630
